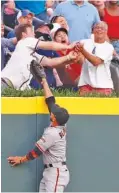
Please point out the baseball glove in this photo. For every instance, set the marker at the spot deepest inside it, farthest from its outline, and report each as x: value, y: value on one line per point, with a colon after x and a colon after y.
x: 37, y: 70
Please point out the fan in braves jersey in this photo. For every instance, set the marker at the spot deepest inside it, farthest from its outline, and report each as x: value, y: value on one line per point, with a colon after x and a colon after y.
x: 52, y: 144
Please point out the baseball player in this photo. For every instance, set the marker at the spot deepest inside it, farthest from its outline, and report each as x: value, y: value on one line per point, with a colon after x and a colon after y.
x: 52, y: 144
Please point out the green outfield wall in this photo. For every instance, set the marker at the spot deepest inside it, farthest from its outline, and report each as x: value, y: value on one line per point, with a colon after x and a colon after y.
x: 92, y: 143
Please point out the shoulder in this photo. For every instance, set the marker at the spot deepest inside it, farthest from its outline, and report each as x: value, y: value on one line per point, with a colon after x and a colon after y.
x: 87, y: 41
x: 104, y: 51
x: 6, y: 42
x: 52, y: 132
x: 30, y: 39
x: 29, y: 42
x: 90, y: 6
x: 92, y: 9
x: 108, y: 46
x: 64, y: 4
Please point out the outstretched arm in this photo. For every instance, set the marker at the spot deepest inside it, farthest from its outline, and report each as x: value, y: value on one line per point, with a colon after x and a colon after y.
x: 60, y: 61
x: 38, y: 73
x: 50, y: 45
x: 47, y: 91
x: 49, y: 98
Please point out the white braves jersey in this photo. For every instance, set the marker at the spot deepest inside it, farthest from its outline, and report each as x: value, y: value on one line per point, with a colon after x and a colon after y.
x: 17, y: 70
x: 53, y: 144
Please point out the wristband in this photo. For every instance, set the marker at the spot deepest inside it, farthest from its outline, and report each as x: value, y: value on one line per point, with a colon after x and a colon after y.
x: 23, y: 159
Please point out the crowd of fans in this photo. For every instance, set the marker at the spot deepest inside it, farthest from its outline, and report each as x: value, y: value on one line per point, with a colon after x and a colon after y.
x: 76, y: 41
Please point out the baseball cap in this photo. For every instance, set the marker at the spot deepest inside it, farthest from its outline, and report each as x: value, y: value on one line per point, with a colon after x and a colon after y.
x: 61, y: 114
x: 60, y: 29
x: 42, y: 36
x: 40, y: 23
x: 56, y: 26
x: 24, y: 13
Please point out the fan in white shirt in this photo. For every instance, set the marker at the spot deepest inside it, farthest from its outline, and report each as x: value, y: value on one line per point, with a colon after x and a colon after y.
x: 98, y: 53
x: 17, y: 72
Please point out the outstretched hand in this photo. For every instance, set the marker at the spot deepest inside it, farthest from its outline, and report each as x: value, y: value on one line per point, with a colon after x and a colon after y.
x: 79, y: 47
x: 73, y: 55
x: 72, y: 46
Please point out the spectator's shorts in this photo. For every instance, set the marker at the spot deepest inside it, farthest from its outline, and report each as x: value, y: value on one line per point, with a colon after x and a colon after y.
x: 86, y: 89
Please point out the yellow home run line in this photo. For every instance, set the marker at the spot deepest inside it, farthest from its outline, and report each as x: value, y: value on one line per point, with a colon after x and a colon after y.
x: 82, y: 106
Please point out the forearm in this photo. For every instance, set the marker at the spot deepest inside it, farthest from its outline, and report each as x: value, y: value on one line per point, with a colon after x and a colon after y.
x: 46, y: 89
x: 58, y: 62
x: 80, y: 59
x: 52, y: 46
x: 23, y: 159
x: 91, y: 58
x: 49, y: 98
x: 35, y: 153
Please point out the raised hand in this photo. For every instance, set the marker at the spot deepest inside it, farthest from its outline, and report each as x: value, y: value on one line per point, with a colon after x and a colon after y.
x: 72, y: 46
x: 79, y: 47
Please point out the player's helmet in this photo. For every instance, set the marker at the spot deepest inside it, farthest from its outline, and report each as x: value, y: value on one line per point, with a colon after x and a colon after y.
x: 61, y: 114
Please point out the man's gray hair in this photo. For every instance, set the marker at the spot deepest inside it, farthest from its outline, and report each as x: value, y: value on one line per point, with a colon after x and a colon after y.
x: 102, y: 23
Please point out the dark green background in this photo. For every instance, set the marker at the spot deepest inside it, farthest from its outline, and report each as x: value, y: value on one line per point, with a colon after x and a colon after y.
x: 92, y: 152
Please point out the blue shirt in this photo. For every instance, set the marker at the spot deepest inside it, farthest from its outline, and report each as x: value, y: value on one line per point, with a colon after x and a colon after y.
x: 81, y: 19
x: 11, y: 34
x: 6, y: 44
x: 35, y: 7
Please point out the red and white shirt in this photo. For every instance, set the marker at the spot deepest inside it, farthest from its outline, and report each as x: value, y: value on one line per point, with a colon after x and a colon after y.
x: 73, y: 70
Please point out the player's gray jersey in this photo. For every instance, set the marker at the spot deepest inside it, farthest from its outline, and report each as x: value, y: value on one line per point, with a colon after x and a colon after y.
x: 53, y: 144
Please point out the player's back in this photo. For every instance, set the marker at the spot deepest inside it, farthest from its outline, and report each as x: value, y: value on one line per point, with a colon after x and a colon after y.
x: 53, y: 144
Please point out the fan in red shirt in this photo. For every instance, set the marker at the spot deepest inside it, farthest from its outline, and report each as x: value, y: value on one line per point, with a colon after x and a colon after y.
x: 110, y: 15
x: 71, y: 72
